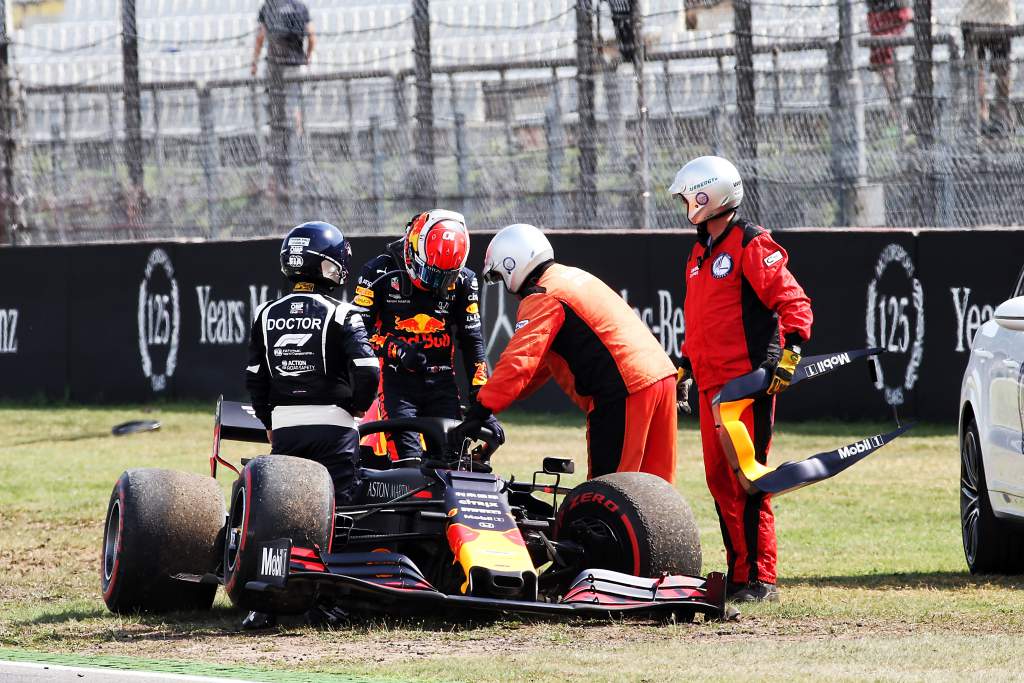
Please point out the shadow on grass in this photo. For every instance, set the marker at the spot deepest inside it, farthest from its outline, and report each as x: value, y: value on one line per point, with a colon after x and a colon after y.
x: 950, y: 581
x: 225, y: 621
x: 65, y: 615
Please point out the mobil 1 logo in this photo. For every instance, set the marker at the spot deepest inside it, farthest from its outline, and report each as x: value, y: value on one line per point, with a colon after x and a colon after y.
x: 895, y: 323
x: 274, y: 559
x: 159, y: 317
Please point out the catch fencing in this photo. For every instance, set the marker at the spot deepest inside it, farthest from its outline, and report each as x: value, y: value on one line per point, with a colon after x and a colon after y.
x: 510, y: 135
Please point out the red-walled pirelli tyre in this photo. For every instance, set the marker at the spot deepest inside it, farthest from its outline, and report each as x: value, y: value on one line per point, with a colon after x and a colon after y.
x: 161, y: 523
x: 631, y: 522
x: 276, y: 496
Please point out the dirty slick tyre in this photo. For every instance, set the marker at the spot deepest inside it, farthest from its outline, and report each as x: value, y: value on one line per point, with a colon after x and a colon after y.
x: 276, y: 496
x: 160, y: 523
x: 631, y: 522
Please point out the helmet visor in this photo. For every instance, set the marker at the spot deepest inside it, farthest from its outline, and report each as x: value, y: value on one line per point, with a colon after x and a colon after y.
x: 492, y: 276
x: 437, y: 279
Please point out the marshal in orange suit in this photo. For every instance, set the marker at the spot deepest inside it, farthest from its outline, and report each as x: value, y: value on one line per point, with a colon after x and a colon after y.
x: 571, y: 326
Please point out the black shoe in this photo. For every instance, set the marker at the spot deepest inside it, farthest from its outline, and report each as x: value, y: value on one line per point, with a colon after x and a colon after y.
x: 754, y: 591
x: 255, y: 621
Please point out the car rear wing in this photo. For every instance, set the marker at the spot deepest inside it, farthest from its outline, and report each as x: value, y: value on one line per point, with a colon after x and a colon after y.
x: 234, y: 421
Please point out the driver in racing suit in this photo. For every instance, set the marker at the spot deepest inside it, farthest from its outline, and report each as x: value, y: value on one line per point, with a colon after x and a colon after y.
x: 311, y: 370
x: 418, y: 300
x: 743, y: 310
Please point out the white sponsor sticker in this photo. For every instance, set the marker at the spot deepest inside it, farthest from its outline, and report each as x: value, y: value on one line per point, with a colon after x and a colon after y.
x: 521, y: 324
x: 298, y: 241
x: 773, y: 258
x: 273, y: 562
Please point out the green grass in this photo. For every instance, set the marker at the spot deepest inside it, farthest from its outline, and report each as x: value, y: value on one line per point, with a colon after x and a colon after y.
x: 871, y: 570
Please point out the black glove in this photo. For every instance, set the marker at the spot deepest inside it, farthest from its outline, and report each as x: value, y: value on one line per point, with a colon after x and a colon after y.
x: 499, y: 433
x: 785, y: 366
x: 476, y: 417
x: 405, y: 354
x: 684, y: 380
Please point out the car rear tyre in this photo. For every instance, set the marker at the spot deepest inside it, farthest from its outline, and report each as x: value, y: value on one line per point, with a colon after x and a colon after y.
x: 991, y: 545
x: 160, y: 523
x: 276, y: 496
x: 631, y: 522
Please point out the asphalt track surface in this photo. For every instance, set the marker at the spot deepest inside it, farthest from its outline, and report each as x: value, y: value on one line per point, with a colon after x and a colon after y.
x: 33, y: 672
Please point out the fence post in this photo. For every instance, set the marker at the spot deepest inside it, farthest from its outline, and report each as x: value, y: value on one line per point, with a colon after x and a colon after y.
x: 425, y: 182
x: 208, y: 155
x: 613, y: 109
x: 462, y: 160
x: 943, y: 150
x: 112, y: 129
x: 133, y: 150
x: 746, y: 111
x: 376, y: 174
x: 923, y: 117
x: 401, y: 116
x: 280, y: 142
x: 59, y: 177
x: 639, y: 57
x: 586, y: 134
x: 847, y: 122
x: 776, y: 82
x: 8, y: 212
x: 510, y: 140
x: 68, y: 122
x: 715, y: 124
x: 670, y: 115
x: 555, y: 137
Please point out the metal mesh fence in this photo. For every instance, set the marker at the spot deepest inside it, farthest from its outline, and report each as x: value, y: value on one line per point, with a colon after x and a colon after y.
x: 849, y: 124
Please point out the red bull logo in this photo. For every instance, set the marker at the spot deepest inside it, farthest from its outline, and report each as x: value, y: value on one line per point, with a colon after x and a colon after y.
x: 421, y: 323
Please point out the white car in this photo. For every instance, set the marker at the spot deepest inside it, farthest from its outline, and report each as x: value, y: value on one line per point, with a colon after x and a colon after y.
x: 992, y: 443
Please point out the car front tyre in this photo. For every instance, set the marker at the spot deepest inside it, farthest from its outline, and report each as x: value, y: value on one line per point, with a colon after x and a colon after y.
x: 991, y: 545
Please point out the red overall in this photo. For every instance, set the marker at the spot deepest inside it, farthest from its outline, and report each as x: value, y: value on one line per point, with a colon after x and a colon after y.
x: 741, y: 303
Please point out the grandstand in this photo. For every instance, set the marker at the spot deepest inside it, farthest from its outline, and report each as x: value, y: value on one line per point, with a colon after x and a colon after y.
x: 213, y: 38
x: 505, y: 115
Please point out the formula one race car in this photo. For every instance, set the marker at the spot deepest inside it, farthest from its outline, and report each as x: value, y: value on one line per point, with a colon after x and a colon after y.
x: 426, y: 533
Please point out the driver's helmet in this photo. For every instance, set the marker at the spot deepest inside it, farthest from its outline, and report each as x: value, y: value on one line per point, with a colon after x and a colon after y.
x: 436, y: 248
x: 315, y: 252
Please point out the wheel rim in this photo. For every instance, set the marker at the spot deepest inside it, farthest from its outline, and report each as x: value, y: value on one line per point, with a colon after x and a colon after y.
x: 970, y: 498
x: 111, y: 540
x: 602, y: 547
x: 234, y: 531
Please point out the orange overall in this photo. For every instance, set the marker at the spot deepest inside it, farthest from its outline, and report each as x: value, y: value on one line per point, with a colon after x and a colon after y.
x: 573, y: 327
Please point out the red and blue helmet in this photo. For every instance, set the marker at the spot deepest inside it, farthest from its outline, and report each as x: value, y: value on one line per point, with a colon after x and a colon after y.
x: 436, y: 249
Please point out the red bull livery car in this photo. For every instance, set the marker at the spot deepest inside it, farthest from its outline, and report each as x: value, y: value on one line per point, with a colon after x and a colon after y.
x: 430, y: 532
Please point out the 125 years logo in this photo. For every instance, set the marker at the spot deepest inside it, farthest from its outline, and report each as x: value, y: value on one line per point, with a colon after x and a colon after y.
x: 895, y: 323
x: 159, y: 320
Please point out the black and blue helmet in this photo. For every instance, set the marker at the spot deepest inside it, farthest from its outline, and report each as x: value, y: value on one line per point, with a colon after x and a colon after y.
x: 316, y: 252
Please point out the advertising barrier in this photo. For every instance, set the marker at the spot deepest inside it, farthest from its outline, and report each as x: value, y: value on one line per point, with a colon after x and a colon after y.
x: 138, y: 322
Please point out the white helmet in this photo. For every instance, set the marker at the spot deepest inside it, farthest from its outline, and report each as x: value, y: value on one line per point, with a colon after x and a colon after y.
x: 710, y: 186
x: 514, y: 253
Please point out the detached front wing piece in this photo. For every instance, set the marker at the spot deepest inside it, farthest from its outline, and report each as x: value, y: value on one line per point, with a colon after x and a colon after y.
x: 737, y: 396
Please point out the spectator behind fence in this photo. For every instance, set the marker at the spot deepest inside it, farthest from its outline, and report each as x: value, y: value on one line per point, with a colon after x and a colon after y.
x: 978, y: 20
x: 288, y: 26
x: 888, y: 18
